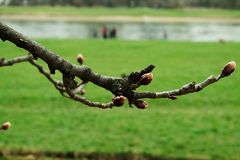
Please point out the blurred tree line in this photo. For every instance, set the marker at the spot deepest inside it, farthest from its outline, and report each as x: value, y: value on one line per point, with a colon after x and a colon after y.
x: 130, y: 3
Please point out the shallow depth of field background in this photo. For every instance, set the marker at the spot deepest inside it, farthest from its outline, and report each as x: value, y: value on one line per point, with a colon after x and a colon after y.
x: 203, y: 125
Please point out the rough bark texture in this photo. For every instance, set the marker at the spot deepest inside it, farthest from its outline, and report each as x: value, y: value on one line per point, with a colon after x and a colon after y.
x: 69, y: 88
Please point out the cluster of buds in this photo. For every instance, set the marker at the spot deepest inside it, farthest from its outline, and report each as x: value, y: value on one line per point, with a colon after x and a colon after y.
x: 228, y: 69
x: 140, y: 104
x: 80, y: 59
x: 118, y: 100
x: 6, y: 126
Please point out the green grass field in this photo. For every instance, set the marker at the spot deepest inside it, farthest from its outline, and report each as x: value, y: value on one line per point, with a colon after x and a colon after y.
x: 201, y: 125
x: 101, y: 11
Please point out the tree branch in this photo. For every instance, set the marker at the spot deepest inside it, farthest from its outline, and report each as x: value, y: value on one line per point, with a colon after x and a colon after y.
x: 72, y: 94
x: 191, y: 87
x: 54, y: 61
x: 119, y: 87
x: 186, y: 89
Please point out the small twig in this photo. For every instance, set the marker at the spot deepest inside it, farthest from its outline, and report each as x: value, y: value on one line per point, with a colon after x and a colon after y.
x: 89, y: 103
x: 57, y: 84
x: 80, y: 89
x: 15, y: 60
x: 71, y: 94
x: 186, y: 89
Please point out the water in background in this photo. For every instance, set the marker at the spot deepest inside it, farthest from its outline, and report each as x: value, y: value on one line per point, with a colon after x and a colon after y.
x: 130, y: 31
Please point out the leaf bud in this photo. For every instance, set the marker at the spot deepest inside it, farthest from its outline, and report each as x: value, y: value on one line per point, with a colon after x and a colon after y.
x: 6, y: 126
x: 146, y: 79
x: 80, y: 59
x: 141, y: 104
x: 118, y: 100
x: 228, y: 69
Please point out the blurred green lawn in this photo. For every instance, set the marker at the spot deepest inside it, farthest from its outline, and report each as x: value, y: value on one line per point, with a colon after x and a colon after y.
x: 205, y: 124
x: 103, y: 11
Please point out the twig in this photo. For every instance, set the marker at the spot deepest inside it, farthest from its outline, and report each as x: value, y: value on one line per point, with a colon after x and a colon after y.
x: 58, y: 84
x: 15, y: 60
x: 90, y: 103
x: 186, y: 89
x: 80, y: 89
x: 71, y: 94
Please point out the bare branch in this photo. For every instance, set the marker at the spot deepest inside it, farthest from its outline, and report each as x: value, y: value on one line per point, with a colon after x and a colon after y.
x: 54, y: 61
x: 58, y: 84
x: 191, y: 87
x: 71, y: 94
x: 121, y: 88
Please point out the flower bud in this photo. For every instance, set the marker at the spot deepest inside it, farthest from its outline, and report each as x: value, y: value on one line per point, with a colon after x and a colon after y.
x: 228, y: 69
x: 119, y: 100
x: 146, y: 79
x: 141, y: 104
x: 80, y: 58
x: 6, y: 126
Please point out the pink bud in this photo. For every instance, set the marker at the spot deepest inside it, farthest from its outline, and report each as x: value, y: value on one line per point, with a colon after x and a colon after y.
x: 146, y: 79
x: 228, y: 69
x: 119, y: 100
x: 80, y: 58
x: 6, y: 126
x: 141, y: 104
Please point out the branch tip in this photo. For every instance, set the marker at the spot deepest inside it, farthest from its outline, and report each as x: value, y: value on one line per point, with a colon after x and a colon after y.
x: 228, y: 69
x: 146, y: 79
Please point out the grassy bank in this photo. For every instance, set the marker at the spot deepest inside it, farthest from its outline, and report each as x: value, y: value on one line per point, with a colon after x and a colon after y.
x: 203, y: 125
x: 101, y: 11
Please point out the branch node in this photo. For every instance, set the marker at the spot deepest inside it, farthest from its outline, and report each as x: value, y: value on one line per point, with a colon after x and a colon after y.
x: 51, y: 69
x: 69, y: 82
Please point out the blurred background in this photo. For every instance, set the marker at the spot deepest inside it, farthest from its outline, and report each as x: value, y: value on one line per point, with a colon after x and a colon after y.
x: 128, y: 3
x: 187, y: 40
x: 141, y: 26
